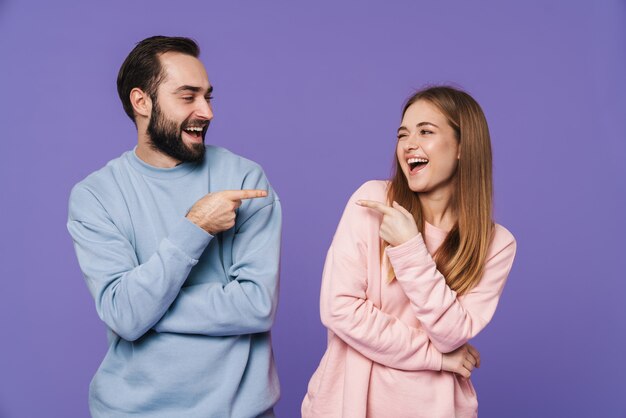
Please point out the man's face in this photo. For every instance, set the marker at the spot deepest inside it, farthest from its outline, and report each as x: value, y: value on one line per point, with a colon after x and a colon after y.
x: 181, y: 110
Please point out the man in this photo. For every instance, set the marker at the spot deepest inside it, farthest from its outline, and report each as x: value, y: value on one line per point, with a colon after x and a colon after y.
x: 179, y: 245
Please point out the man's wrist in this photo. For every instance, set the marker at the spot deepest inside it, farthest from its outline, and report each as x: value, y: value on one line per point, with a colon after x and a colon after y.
x: 190, y: 237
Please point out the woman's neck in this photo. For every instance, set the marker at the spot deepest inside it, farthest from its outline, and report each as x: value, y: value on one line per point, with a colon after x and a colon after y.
x: 437, y: 210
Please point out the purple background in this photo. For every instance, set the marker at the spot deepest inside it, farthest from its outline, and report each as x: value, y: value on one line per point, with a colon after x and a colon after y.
x: 313, y: 92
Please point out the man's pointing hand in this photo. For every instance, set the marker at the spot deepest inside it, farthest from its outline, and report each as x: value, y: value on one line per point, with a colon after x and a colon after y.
x: 215, y: 212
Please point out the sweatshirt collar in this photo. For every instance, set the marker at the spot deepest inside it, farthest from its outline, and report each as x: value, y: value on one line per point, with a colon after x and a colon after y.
x: 158, y: 172
x: 434, y: 232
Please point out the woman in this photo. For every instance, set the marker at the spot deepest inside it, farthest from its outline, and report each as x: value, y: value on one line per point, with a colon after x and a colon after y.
x: 415, y: 270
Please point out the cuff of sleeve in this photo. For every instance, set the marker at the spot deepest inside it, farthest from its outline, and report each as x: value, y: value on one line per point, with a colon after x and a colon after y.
x: 190, y: 238
x: 438, y: 362
x: 407, y: 251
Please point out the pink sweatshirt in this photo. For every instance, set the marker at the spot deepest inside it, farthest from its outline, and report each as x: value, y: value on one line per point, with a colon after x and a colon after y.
x: 385, y: 339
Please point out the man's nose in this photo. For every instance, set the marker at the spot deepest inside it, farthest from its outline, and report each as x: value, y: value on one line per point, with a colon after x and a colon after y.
x: 204, y: 110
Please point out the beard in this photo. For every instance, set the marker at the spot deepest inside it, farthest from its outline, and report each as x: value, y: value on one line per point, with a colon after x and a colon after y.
x: 166, y: 137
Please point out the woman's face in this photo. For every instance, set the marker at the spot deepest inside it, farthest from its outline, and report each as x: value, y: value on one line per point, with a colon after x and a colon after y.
x: 427, y: 150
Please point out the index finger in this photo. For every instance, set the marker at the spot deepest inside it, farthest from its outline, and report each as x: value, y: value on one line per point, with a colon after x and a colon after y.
x: 245, y: 194
x: 377, y: 206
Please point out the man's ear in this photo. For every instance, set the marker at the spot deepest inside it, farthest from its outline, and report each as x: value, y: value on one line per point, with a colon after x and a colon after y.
x: 142, y: 105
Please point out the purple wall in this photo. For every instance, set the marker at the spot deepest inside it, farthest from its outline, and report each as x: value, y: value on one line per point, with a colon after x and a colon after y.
x: 313, y: 91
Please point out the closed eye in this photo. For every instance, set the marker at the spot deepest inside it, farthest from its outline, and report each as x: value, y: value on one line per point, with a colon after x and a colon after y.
x: 425, y: 132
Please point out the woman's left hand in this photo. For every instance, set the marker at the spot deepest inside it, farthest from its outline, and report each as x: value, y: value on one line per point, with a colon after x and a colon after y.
x: 398, y: 225
x: 461, y: 361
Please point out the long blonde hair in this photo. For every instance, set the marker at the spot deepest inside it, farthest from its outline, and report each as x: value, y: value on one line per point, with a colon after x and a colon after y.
x: 461, y: 256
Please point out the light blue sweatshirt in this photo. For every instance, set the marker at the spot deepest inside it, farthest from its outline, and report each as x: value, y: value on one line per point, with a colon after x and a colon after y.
x: 188, y: 313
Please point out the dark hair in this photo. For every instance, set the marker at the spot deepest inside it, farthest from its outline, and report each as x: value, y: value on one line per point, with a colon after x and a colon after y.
x: 142, y: 67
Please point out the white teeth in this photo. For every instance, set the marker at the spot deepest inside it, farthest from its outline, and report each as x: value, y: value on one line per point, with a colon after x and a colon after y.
x: 195, y: 129
x: 416, y: 160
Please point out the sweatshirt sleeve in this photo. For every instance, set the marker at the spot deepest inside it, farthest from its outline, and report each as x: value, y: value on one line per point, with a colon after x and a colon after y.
x: 349, y: 314
x: 130, y: 297
x: 245, y: 305
x: 451, y: 321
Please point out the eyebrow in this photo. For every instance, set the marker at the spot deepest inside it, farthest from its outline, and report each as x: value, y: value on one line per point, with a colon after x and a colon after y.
x: 418, y: 125
x: 192, y: 89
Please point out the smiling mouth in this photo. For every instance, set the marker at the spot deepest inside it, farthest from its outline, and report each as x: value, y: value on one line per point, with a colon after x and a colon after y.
x: 195, y: 131
x: 416, y: 164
